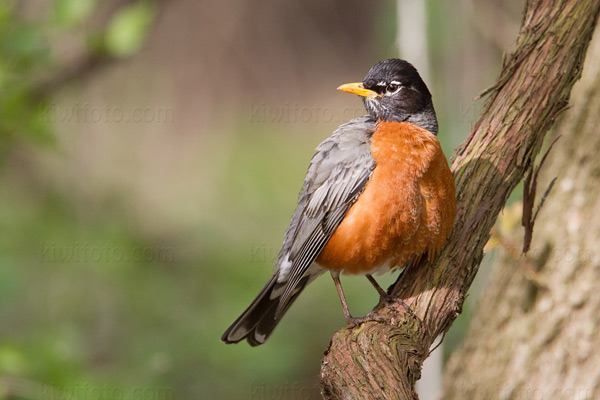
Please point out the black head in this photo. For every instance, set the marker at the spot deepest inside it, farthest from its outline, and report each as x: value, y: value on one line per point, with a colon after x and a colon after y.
x: 394, y: 91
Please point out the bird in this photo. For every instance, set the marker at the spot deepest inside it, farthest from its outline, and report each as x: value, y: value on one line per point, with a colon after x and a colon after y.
x: 378, y: 194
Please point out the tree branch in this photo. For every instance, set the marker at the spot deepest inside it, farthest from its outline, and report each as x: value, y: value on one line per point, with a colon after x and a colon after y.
x: 383, y: 360
x: 529, y: 341
x: 529, y: 190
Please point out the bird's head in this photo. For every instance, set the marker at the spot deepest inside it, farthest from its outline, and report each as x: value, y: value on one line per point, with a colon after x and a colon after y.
x: 394, y: 91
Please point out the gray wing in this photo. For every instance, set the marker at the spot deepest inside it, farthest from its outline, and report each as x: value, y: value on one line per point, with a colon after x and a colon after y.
x: 336, y: 177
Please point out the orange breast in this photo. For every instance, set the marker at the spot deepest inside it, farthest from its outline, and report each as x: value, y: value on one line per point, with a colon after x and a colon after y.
x: 406, y: 209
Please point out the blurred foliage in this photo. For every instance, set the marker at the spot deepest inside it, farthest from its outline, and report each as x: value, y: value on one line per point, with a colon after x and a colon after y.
x: 127, y: 30
x: 24, y: 55
x: 69, y: 13
x: 27, y: 60
x: 96, y: 305
x: 62, y: 273
x: 62, y: 276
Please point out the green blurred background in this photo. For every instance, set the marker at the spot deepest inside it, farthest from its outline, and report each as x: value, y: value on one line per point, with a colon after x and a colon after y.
x: 151, y: 153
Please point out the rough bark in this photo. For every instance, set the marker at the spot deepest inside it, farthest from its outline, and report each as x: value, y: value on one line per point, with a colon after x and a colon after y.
x: 539, y: 338
x: 383, y: 360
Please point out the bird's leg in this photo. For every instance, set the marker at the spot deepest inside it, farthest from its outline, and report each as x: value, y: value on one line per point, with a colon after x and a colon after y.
x: 383, y: 295
x: 350, y: 320
x: 335, y: 275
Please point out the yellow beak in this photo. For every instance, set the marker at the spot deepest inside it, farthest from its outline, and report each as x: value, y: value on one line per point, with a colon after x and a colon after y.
x: 359, y: 89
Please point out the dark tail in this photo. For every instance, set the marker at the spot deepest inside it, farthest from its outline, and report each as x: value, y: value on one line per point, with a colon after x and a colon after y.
x: 259, y: 320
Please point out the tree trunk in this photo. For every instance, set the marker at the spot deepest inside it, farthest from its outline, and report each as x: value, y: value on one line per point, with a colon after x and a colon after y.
x: 539, y: 338
x: 383, y: 360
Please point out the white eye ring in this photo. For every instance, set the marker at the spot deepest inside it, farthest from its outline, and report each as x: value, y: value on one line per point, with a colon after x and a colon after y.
x: 392, y: 88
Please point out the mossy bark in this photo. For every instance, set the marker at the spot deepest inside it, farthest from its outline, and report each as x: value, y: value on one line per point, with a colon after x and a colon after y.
x: 539, y: 338
x: 382, y: 360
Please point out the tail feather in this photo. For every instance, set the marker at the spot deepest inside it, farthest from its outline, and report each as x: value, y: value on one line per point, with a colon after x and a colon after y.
x: 261, y: 317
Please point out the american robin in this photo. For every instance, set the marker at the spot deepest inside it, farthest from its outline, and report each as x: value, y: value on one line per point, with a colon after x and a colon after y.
x: 378, y: 193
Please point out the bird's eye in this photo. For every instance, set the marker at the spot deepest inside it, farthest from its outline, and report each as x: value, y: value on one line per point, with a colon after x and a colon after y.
x: 392, y: 88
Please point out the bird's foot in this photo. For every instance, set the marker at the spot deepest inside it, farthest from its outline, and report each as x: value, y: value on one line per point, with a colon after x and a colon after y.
x: 389, y: 300
x: 386, y: 299
x: 353, y: 322
x: 406, y: 306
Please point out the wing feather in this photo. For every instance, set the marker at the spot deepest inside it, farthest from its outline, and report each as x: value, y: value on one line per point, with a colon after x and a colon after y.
x: 336, y: 177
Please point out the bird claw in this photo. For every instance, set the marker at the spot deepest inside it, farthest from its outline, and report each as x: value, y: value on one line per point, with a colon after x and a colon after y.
x: 353, y: 322
x: 386, y: 299
x: 389, y: 300
x: 406, y: 306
